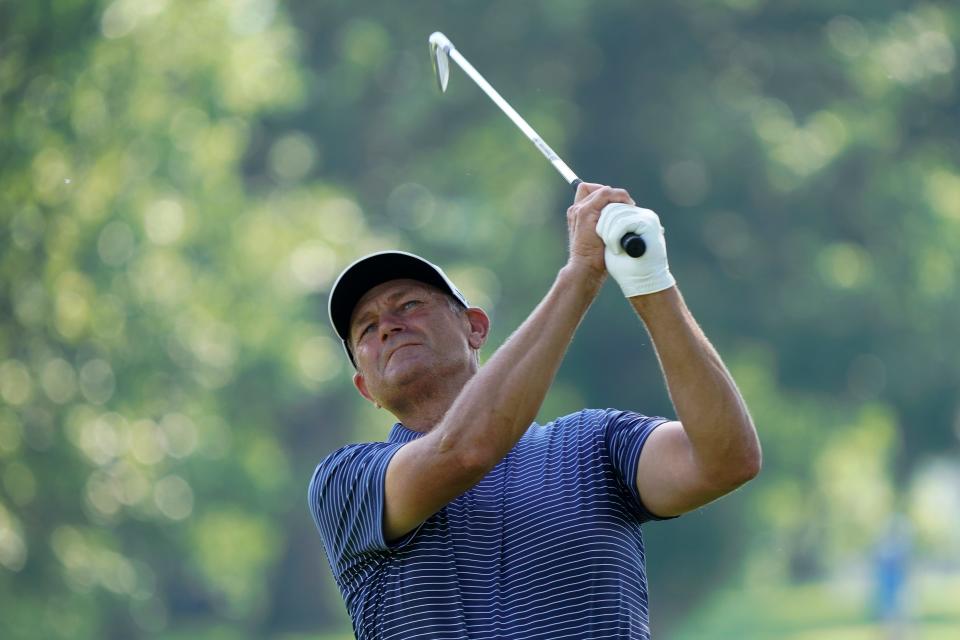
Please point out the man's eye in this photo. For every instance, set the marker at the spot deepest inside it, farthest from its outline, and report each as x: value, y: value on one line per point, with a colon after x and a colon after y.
x: 410, y: 304
x: 367, y: 329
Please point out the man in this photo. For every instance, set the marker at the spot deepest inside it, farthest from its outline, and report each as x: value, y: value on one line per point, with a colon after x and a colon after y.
x: 471, y: 522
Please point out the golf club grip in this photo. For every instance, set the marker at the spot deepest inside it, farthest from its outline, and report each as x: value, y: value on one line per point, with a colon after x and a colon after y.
x: 631, y: 242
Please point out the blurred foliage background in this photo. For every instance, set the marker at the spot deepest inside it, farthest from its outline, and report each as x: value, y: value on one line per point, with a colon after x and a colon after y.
x: 180, y: 180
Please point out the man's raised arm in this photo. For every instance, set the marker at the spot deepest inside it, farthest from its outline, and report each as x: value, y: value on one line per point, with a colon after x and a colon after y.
x: 714, y: 447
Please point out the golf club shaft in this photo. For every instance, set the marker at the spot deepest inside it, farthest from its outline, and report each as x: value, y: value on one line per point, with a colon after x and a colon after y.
x: 632, y: 243
x: 515, y: 117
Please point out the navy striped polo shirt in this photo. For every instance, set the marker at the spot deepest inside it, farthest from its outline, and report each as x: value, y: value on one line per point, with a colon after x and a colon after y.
x: 546, y: 545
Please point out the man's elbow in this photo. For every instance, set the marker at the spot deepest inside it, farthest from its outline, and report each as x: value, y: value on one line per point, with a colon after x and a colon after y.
x: 745, y: 467
x: 751, y: 467
x: 737, y: 469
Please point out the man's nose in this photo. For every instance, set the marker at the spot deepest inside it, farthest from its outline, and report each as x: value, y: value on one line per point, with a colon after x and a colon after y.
x: 390, y: 323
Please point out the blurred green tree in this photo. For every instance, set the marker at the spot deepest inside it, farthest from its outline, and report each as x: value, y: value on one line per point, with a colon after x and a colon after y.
x: 181, y: 180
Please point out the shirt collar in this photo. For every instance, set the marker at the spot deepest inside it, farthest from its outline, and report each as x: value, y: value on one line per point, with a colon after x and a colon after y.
x: 400, y: 433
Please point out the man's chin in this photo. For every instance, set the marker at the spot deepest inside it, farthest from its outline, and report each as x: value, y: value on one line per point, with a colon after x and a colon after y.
x: 405, y: 368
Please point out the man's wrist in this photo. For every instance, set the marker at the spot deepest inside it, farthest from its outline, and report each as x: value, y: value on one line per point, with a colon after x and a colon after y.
x: 648, y: 305
x: 583, y: 275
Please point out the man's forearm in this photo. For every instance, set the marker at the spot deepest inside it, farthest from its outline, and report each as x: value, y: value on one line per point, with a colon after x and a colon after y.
x: 708, y: 404
x: 499, y: 403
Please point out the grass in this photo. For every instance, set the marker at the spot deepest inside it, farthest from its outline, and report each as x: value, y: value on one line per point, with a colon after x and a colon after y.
x: 822, y: 611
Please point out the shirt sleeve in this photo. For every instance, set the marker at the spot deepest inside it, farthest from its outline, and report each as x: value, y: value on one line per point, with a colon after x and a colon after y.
x: 346, y: 498
x: 625, y: 434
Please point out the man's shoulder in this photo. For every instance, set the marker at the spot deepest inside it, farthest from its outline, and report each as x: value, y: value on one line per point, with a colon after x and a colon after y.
x: 584, y: 418
x: 598, y: 424
x: 590, y: 418
x: 350, y: 456
x: 571, y: 429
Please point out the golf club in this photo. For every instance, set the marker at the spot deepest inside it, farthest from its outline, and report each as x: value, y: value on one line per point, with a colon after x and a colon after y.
x: 442, y: 50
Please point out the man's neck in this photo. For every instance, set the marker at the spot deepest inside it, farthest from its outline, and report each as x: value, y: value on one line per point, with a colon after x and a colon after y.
x: 425, y: 421
x: 423, y: 409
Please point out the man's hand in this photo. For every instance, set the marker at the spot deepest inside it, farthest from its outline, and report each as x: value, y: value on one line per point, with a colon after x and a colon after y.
x: 636, y: 276
x: 586, y: 248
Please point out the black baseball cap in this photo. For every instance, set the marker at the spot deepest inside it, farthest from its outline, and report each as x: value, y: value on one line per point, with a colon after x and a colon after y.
x: 375, y: 269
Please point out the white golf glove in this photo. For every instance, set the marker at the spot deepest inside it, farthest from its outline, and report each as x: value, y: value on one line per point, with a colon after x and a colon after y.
x: 636, y: 276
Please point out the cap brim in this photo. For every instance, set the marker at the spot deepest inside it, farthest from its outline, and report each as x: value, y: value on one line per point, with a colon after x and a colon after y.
x: 375, y: 269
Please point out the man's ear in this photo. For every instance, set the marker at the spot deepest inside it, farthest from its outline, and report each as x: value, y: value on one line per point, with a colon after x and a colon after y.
x: 361, y: 386
x: 479, y: 326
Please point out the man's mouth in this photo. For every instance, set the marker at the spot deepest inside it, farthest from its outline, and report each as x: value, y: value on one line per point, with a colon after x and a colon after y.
x: 396, y: 349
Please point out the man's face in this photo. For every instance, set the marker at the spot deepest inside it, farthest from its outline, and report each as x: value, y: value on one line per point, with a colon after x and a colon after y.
x: 403, y: 333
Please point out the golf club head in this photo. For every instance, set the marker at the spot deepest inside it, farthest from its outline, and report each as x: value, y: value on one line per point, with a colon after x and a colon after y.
x: 440, y: 57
